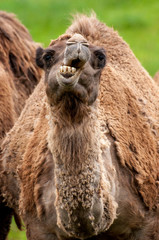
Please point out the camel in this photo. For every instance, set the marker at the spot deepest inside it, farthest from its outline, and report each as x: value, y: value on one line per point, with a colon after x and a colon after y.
x: 82, y: 162
x: 18, y: 76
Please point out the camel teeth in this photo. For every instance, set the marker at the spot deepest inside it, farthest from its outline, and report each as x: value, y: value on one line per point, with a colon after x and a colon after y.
x: 73, y: 70
x: 67, y: 69
x: 61, y: 69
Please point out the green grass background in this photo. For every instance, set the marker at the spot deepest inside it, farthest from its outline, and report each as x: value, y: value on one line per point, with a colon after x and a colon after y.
x: 136, y: 21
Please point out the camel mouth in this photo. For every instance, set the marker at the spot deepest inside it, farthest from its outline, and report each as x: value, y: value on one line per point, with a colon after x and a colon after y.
x: 68, y: 76
x: 67, y: 71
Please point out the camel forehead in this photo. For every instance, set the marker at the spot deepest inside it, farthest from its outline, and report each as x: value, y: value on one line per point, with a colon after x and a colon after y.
x: 77, y: 38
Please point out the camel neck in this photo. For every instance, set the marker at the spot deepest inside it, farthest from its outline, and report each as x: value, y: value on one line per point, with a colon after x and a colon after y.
x: 74, y: 144
x: 81, y: 187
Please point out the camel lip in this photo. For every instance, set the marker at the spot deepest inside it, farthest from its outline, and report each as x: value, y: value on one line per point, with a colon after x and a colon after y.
x: 68, y: 80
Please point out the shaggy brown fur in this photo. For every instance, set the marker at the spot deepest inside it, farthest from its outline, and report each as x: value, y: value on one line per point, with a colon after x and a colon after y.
x: 118, y: 145
x: 18, y: 73
x: 18, y: 77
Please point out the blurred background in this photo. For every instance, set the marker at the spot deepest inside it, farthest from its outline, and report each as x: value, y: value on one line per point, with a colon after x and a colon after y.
x: 136, y: 21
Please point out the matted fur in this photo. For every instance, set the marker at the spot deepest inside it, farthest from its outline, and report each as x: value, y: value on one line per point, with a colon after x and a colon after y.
x: 128, y: 109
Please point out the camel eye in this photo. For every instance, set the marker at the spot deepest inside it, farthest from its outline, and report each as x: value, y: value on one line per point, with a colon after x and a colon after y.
x: 101, y: 58
x: 47, y: 57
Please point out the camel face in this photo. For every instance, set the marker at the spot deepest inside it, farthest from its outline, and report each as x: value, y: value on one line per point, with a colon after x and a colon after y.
x: 73, y: 68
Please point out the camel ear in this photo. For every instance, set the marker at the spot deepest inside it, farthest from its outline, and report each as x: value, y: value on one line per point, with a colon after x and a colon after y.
x: 39, y: 57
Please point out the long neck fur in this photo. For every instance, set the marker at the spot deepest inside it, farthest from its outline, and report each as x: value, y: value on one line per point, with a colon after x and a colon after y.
x: 74, y: 141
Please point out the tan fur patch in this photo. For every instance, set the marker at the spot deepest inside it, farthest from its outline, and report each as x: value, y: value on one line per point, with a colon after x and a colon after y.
x: 156, y: 77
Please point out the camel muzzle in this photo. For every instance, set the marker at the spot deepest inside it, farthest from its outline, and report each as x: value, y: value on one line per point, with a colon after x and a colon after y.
x: 76, y: 55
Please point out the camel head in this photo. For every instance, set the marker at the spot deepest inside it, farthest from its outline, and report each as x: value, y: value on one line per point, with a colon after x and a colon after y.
x: 73, y: 68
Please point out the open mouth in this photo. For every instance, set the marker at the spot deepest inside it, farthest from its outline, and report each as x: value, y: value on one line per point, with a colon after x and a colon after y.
x: 68, y: 76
